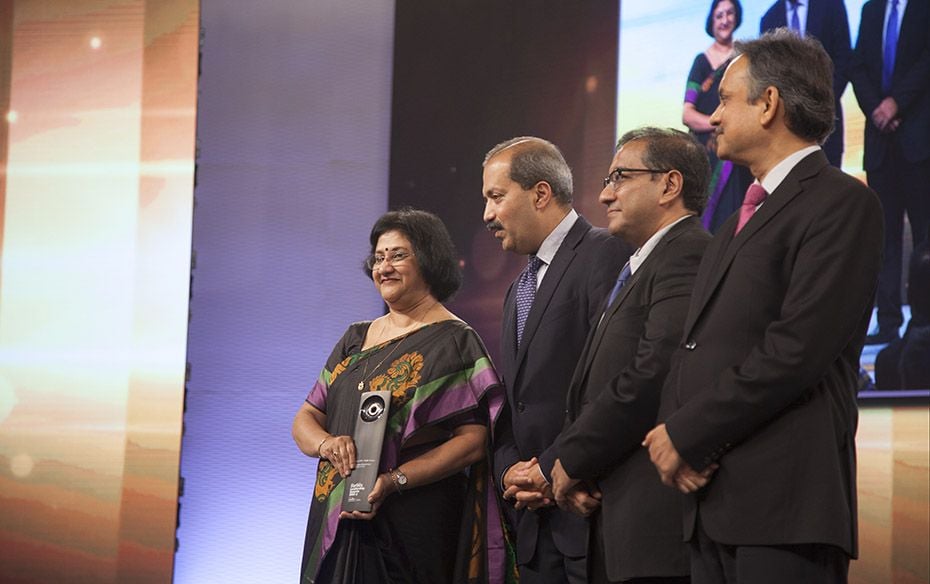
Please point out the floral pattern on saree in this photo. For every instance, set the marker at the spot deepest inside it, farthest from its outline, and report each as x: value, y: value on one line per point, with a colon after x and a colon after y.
x: 401, y: 378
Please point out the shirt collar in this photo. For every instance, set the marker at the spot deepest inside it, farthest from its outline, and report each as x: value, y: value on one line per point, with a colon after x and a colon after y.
x: 640, y: 255
x: 554, y: 240
x: 778, y: 173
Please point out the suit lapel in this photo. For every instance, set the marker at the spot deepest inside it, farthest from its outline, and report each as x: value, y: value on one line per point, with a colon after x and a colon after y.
x: 815, y: 17
x: 789, y: 188
x: 781, y: 15
x: 509, y: 340
x: 655, y: 259
x: 609, y: 311
x: 554, y: 272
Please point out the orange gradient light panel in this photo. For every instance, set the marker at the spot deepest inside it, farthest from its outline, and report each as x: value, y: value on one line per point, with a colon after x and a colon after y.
x: 94, y: 273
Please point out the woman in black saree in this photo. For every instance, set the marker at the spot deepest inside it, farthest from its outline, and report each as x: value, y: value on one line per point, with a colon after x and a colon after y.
x: 434, y: 513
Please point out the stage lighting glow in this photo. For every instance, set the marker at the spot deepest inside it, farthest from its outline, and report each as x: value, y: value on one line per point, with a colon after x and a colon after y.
x: 590, y: 84
x: 21, y: 465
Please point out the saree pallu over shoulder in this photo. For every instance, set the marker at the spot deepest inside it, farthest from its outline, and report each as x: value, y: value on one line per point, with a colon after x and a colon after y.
x: 439, y: 374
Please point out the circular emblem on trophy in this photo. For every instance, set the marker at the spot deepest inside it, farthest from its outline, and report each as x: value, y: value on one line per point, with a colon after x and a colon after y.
x: 372, y: 408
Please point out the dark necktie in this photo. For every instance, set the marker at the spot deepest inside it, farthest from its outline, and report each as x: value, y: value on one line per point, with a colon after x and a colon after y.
x: 891, y: 47
x: 795, y: 18
x: 526, y: 292
x: 621, y: 280
x: 755, y: 194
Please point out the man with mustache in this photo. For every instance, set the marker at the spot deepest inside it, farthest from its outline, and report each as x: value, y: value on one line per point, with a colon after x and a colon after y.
x: 548, y: 312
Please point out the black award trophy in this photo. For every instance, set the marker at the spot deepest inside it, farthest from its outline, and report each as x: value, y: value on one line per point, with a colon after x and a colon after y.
x: 369, y: 436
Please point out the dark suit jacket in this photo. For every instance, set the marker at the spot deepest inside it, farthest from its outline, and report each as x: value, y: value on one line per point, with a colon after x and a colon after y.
x: 828, y: 23
x: 910, y: 83
x: 537, y: 376
x: 767, y: 373
x: 614, y: 401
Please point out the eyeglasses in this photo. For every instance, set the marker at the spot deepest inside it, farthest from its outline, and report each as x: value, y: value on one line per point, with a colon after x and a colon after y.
x: 619, y: 174
x: 393, y: 258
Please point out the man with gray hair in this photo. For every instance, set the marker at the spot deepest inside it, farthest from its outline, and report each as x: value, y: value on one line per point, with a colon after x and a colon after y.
x: 548, y: 312
x: 764, y: 382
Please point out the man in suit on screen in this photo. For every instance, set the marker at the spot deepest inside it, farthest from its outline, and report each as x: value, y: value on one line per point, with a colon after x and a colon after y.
x: 826, y: 21
x: 548, y: 311
x: 891, y: 77
x: 655, y: 192
x: 764, y: 383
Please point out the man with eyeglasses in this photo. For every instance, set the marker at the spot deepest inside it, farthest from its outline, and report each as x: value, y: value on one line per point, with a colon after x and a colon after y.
x: 548, y: 311
x: 654, y: 195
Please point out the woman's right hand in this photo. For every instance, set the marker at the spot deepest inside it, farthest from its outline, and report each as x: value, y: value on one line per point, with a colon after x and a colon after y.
x: 340, y: 451
x: 383, y: 487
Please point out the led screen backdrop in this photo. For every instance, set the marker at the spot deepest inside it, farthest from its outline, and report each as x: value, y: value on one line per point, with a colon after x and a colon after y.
x: 658, y: 42
x: 97, y: 154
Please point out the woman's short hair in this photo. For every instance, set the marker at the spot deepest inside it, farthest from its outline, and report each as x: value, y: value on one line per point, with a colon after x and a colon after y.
x: 709, y: 26
x: 432, y: 247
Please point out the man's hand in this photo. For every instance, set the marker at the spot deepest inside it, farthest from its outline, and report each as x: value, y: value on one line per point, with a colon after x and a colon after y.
x: 884, y: 115
x: 533, y: 500
x: 688, y: 480
x: 524, y: 476
x: 582, y: 500
x: 561, y: 482
x: 663, y: 454
x: 525, y: 484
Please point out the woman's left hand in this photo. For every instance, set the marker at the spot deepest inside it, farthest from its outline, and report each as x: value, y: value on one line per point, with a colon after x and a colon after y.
x: 384, y: 486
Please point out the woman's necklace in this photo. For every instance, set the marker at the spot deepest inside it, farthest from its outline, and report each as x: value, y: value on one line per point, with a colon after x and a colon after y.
x: 365, y: 378
x: 361, y: 384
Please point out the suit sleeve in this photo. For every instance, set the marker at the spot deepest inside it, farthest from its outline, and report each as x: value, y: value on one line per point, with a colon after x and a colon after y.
x: 868, y: 90
x: 505, y: 452
x: 612, y: 425
x: 838, y: 46
x: 505, y: 446
x: 605, y: 267
x: 829, y: 291
x: 770, y: 20
x: 911, y: 84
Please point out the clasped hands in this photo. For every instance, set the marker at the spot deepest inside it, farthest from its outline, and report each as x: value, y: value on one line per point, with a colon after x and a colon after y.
x: 583, y: 499
x: 525, y: 484
x: 885, y: 115
x: 673, y: 470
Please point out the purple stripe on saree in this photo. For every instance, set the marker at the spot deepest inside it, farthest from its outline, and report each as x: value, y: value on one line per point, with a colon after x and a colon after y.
x: 726, y: 167
x: 451, y: 401
x: 497, y: 554
x: 317, y: 395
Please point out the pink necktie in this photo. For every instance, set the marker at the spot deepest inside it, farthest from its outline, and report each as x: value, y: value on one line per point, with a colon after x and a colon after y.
x: 755, y: 194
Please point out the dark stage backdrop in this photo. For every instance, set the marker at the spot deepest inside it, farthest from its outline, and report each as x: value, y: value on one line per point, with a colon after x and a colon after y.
x: 497, y: 69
